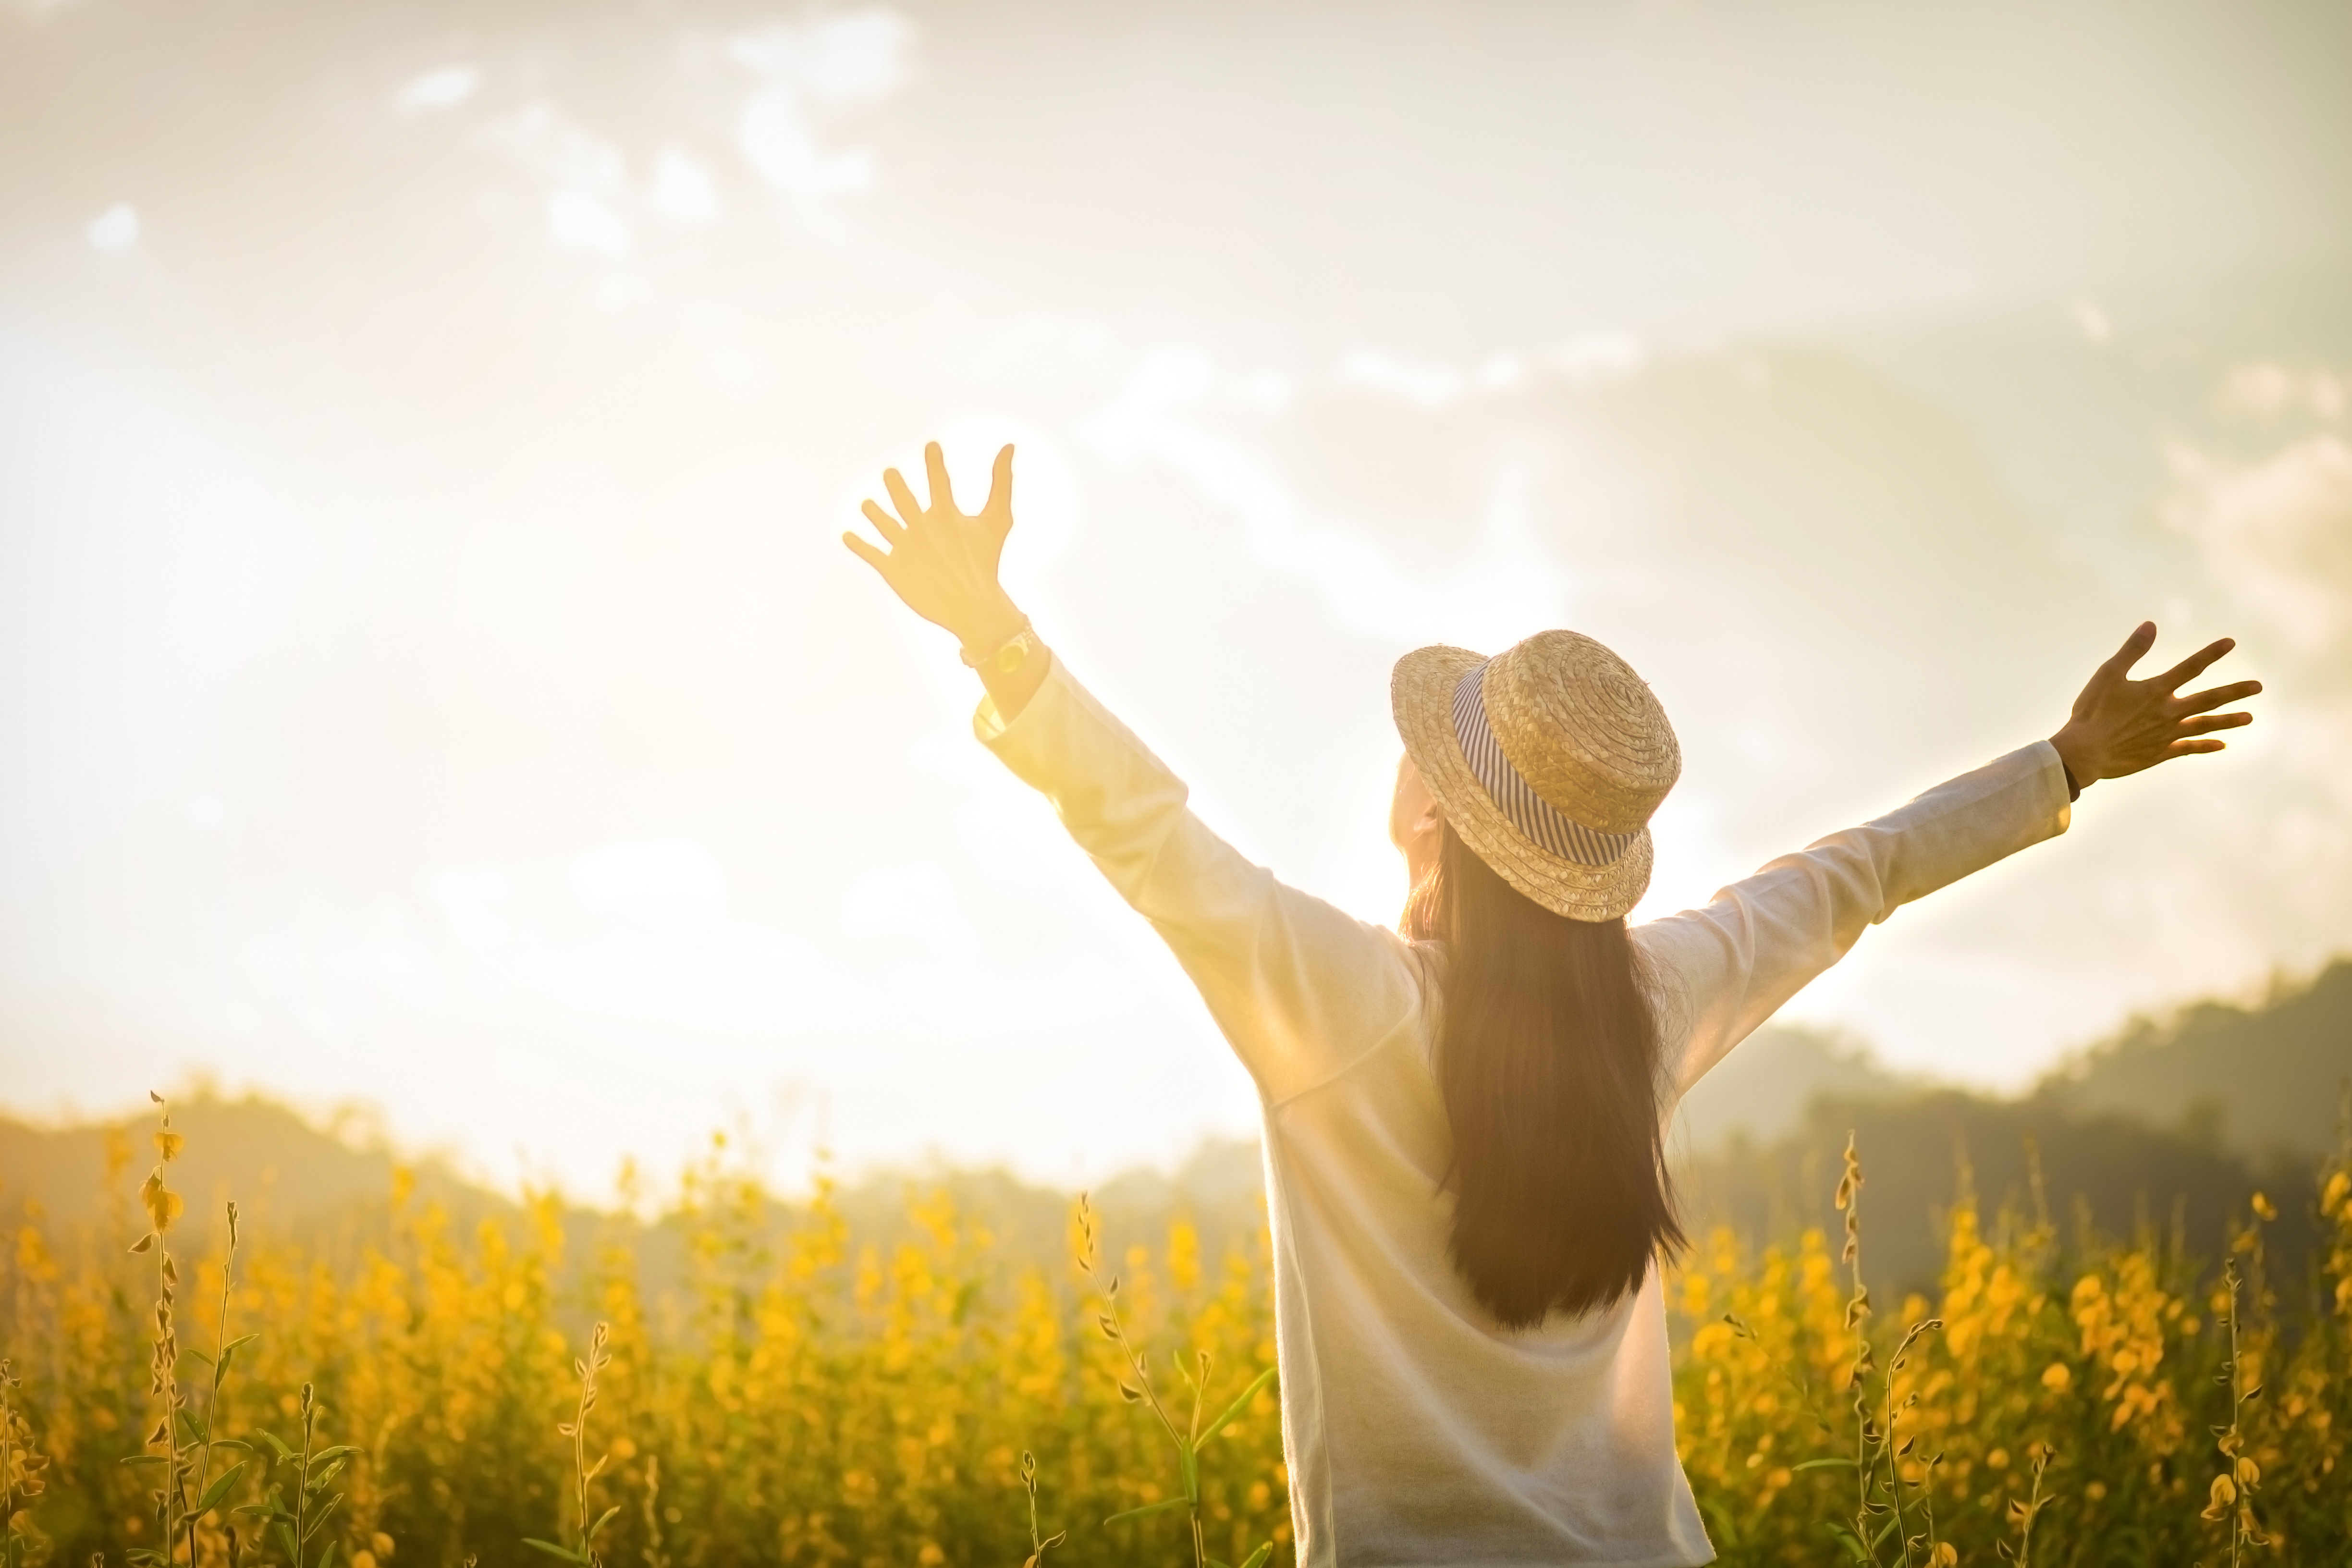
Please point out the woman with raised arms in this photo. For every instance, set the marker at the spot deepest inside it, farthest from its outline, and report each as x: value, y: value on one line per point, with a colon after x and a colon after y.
x: 1465, y: 1116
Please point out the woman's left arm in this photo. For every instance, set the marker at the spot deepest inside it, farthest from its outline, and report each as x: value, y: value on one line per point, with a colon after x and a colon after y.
x: 1728, y: 966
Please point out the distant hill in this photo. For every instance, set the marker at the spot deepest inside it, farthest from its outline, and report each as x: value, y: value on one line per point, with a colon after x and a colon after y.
x: 1760, y: 1091
x: 2111, y: 1175
x: 2264, y: 1077
x: 280, y: 1169
x: 298, y: 1181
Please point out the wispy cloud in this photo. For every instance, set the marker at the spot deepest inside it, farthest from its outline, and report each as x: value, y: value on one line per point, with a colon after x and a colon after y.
x: 809, y: 71
x: 2276, y: 533
x: 1503, y: 581
x: 442, y: 88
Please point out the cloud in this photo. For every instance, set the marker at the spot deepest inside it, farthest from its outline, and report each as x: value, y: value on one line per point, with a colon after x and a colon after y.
x: 2276, y: 533
x: 442, y: 88
x: 588, y: 176
x: 683, y: 186
x: 115, y: 229
x: 1501, y: 581
x: 2265, y: 389
x: 807, y: 70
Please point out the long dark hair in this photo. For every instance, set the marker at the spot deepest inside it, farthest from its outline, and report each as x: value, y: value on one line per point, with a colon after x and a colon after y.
x: 1547, y: 1058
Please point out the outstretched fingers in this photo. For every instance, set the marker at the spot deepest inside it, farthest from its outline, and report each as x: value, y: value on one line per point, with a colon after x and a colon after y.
x: 2214, y: 697
x: 900, y: 496
x: 865, y: 552
x: 2195, y: 665
x: 891, y: 529
x: 2135, y: 646
x: 999, y: 508
x: 935, y: 466
x: 2214, y: 721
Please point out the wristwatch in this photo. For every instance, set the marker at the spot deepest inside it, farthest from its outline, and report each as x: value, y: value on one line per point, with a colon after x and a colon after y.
x: 1010, y: 655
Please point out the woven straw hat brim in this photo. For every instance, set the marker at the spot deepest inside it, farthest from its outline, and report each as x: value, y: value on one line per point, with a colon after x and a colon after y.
x: 1421, y: 693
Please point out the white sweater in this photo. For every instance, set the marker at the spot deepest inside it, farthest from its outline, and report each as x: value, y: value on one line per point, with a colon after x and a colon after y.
x: 1417, y: 1432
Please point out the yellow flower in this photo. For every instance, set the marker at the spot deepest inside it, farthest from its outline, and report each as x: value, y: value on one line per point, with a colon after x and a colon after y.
x: 2056, y: 1376
x: 161, y: 1204
x: 2224, y: 1493
x: 2265, y: 1207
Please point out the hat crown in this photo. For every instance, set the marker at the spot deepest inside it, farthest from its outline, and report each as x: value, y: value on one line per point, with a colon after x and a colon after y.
x: 1586, y: 733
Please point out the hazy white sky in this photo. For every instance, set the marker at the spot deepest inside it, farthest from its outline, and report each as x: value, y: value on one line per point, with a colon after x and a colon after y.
x: 427, y: 675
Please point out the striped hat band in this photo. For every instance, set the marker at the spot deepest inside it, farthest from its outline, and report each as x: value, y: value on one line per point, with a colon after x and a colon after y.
x: 1527, y: 811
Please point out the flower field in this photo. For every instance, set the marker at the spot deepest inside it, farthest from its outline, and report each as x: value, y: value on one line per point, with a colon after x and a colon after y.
x: 181, y: 1386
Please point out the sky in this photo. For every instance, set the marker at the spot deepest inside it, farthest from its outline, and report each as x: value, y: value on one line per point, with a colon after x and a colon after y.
x: 430, y: 680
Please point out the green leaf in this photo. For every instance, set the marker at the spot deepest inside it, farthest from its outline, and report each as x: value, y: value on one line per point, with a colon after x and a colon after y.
x: 1826, y: 1465
x: 196, y: 1428
x: 321, y: 1480
x: 1238, y: 1405
x: 325, y: 1557
x: 219, y: 1489
x: 1257, y: 1559
x: 552, y: 1550
x: 1188, y: 1459
x: 144, y: 1460
x: 238, y: 1344
x: 336, y: 1452
x: 276, y: 1442
x: 1850, y: 1541
x: 602, y: 1523
x: 1161, y: 1506
x: 284, y: 1526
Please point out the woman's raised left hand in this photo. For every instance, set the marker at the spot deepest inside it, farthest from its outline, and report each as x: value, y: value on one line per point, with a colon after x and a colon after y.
x: 2122, y: 726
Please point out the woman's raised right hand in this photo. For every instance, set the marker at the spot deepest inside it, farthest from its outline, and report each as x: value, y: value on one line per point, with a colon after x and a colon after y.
x: 942, y: 563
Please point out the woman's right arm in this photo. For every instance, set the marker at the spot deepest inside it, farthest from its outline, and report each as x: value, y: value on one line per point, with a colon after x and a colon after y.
x: 1299, y: 988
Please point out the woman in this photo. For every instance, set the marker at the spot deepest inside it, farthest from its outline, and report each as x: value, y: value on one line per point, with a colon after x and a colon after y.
x: 1463, y: 1122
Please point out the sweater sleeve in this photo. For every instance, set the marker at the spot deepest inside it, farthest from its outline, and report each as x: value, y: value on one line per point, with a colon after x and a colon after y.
x: 1723, y: 969
x: 1299, y: 988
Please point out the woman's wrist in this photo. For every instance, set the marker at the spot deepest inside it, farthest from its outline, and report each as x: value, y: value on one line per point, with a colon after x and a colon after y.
x: 2077, y: 758
x: 991, y: 627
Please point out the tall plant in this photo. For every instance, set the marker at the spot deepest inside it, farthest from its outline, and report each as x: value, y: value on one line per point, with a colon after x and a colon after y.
x: 1136, y: 1388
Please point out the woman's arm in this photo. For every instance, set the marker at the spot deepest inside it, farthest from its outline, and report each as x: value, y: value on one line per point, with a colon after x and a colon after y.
x: 1727, y: 967
x: 1299, y: 988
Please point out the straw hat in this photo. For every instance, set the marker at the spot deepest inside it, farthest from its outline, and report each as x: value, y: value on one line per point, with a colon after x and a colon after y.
x: 1548, y: 759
